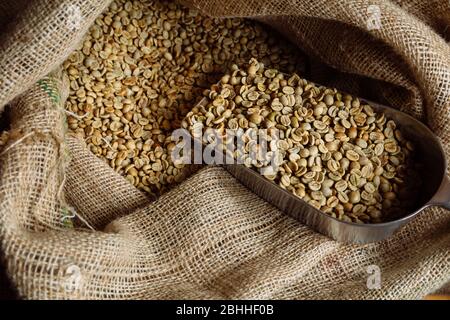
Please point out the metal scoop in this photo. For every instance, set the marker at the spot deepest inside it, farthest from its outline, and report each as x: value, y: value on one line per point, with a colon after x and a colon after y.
x: 435, y: 189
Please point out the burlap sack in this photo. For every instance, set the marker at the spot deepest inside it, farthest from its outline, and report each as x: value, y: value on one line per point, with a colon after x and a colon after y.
x: 210, y: 237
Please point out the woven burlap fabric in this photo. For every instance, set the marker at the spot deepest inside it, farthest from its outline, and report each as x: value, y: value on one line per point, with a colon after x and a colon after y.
x: 40, y: 37
x: 210, y: 237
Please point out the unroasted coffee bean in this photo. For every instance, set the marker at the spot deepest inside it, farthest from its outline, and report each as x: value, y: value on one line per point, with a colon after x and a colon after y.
x: 336, y: 152
x: 143, y: 65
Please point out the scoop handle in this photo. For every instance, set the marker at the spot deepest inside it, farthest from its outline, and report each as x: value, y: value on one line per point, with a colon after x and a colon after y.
x: 442, y: 196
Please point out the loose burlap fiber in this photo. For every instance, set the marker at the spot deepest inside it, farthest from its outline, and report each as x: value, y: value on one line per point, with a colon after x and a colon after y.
x: 209, y: 237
